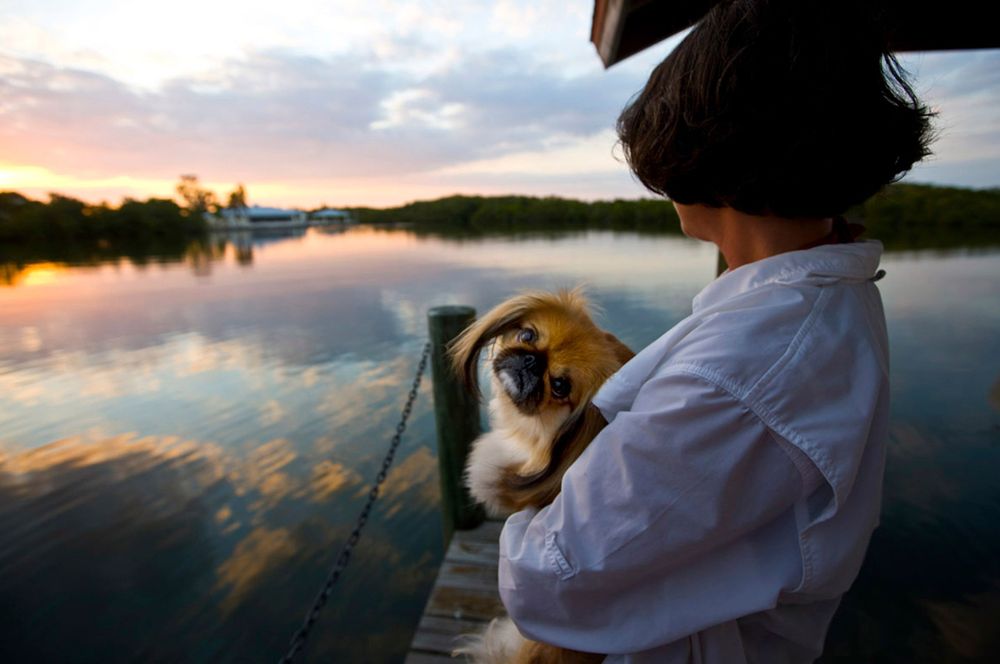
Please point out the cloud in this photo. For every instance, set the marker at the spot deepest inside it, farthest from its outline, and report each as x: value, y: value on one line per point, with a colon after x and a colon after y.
x: 328, y: 478
x: 413, y: 480
x: 963, y: 88
x: 293, y: 326
x: 256, y: 556
x: 519, y: 101
x: 307, y: 112
x: 954, y: 74
x: 266, y: 472
x: 418, y: 108
x: 120, y: 520
x: 116, y: 521
x: 276, y: 114
x: 272, y: 412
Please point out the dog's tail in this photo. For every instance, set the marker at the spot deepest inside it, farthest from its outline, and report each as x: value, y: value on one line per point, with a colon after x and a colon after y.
x: 498, y: 643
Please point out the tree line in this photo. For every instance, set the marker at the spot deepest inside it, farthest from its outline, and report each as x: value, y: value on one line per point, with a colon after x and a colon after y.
x: 903, y: 216
x: 67, y: 229
x: 488, y: 215
x: 65, y: 219
x: 921, y: 216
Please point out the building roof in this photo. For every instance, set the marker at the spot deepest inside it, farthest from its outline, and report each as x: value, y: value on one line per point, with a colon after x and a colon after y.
x: 329, y: 212
x: 258, y: 211
x: 621, y: 28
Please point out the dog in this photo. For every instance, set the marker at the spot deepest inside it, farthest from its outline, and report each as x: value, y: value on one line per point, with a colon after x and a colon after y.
x: 548, y: 360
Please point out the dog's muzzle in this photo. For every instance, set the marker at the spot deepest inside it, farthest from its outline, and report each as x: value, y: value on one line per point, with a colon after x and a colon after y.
x: 520, y: 373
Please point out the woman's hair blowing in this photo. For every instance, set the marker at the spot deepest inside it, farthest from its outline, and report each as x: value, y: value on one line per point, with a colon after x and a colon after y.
x: 786, y: 107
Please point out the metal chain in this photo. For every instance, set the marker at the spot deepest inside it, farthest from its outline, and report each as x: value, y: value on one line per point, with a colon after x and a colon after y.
x: 300, y: 636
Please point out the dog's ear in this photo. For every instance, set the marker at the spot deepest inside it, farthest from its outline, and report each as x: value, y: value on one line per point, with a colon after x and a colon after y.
x: 541, y: 488
x: 621, y: 352
x: 505, y: 316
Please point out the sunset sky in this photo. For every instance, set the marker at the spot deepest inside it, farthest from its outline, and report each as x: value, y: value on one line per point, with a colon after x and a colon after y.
x: 360, y: 103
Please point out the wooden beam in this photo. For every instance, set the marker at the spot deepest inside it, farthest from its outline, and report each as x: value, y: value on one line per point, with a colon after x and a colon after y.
x: 622, y: 28
x: 932, y: 25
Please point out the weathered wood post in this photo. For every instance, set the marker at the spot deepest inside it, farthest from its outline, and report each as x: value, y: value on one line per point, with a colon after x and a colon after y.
x: 456, y: 412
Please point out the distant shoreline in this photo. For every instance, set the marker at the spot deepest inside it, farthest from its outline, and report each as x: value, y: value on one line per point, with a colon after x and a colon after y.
x: 903, y: 216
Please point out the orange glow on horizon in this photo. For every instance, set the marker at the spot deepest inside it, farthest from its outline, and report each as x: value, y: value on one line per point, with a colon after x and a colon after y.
x: 38, y: 274
x: 37, y: 182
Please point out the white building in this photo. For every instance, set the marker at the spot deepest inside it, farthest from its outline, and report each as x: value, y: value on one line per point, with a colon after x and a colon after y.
x: 330, y: 216
x: 256, y: 216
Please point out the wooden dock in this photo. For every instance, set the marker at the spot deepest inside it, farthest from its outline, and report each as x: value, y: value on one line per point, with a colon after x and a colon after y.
x: 465, y: 595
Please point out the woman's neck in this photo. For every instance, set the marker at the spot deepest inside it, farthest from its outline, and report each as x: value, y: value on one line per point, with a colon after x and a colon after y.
x: 744, y: 238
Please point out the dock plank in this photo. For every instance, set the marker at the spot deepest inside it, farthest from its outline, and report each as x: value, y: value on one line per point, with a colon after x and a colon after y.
x: 488, y: 531
x: 468, y: 551
x: 468, y: 576
x: 441, y: 635
x: 461, y: 603
x: 464, y: 597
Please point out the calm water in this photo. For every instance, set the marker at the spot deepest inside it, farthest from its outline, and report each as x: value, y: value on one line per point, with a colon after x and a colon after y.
x: 183, y: 445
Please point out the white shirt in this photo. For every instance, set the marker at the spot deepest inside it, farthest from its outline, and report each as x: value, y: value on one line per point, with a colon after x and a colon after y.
x: 727, y: 506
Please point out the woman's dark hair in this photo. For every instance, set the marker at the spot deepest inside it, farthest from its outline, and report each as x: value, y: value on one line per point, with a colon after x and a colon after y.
x: 787, y: 107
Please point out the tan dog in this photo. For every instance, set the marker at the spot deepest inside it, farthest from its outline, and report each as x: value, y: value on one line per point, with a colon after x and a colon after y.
x: 548, y: 361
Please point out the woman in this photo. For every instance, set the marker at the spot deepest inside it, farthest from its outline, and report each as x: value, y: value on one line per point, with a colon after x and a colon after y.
x: 727, y: 506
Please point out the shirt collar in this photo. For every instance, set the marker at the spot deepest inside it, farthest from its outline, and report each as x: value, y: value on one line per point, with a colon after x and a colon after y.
x: 829, y: 263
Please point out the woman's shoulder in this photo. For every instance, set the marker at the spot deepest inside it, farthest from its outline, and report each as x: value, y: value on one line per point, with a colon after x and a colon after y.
x: 741, y: 342
x: 779, y: 337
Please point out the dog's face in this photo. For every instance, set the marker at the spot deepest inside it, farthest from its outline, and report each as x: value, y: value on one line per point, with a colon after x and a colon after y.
x: 548, y: 359
x: 553, y: 359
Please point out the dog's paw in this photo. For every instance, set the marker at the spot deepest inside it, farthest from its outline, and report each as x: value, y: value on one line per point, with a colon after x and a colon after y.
x: 498, y: 643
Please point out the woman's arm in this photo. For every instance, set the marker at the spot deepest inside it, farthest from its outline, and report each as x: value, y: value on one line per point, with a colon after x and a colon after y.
x: 676, y: 518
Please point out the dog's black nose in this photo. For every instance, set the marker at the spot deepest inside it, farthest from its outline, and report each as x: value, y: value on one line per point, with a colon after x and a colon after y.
x: 521, y: 374
x: 528, y: 363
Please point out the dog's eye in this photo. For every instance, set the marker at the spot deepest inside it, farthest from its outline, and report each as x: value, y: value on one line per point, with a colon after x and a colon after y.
x: 560, y: 388
x: 527, y: 336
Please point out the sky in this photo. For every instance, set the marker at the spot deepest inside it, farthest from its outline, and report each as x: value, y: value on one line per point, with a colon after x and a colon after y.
x: 313, y: 102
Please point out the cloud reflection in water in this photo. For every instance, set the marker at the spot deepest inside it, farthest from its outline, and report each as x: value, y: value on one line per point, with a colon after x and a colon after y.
x: 109, y: 544
x: 218, y: 423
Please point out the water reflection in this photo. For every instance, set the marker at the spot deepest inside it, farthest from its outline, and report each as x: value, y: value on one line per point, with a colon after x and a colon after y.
x: 929, y: 590
x: 152, y: 547
x: 73, y: 518
x: 217, y: 420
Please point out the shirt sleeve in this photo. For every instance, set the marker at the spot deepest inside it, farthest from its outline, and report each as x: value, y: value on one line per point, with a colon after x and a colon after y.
x: 677, y: 517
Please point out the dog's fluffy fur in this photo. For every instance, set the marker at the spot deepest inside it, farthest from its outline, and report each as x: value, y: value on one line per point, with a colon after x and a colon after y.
x: 547, y: 362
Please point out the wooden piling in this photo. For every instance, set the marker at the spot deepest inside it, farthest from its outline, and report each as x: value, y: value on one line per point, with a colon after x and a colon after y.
x: 456, y: 412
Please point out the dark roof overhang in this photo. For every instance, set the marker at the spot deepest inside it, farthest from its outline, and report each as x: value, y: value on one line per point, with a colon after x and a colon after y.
x: 621, y: 28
